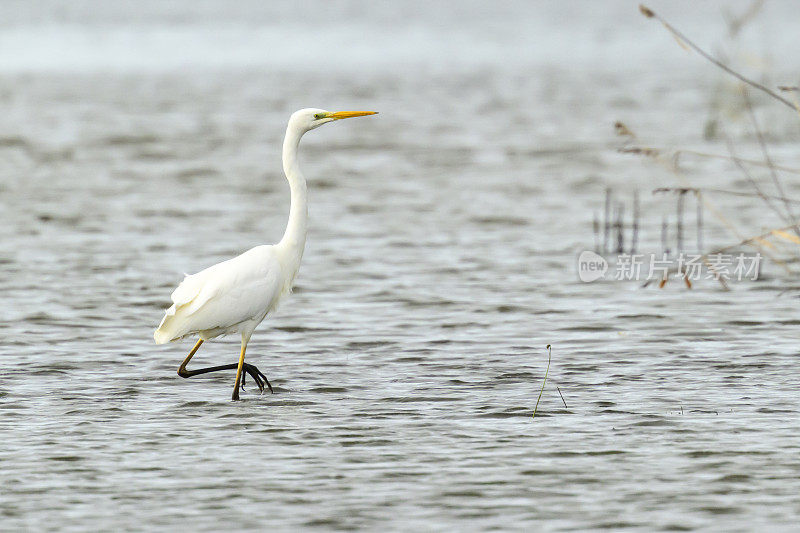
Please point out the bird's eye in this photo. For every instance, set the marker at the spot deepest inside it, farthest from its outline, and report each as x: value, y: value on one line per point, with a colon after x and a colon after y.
x: 319, y: 116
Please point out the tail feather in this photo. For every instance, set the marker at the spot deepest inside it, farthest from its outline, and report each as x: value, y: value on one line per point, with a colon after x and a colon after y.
x: 167, y: 330
x: 173, y: 325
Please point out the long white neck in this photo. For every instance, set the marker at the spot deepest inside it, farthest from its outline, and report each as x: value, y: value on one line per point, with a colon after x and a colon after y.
x: 294, y: 238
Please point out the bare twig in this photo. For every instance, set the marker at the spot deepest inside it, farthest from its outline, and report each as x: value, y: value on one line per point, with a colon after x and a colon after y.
x: 679, y: 153
x: 699, y: 221
x: 794, y: 90
x: 623, y: 131
x: 767, y: 200
x: 649, y: 152
x: 712, y: 190
x: 756, y: 241
x: 649, y: 13
x: 676, y: 154
x: 707, y: 204
x: 751, y: 241
x: 679, y: 226
x: 636, y: 214
x: 680, y: 270
x: 562, y: 398
x: 606, y: 221
x: 549, y: 355
x: 735, y: 24
x: 768, y: 160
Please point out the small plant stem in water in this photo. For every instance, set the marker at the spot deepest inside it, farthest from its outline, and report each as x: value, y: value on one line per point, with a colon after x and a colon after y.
x: 636, y: 214
x: 562, y: 397
x: 549, y: 355
x: 606, y: 221
x: 679, y: 227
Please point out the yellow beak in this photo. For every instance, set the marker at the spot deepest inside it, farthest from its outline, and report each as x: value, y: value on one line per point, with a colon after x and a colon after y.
x: 350, y: 114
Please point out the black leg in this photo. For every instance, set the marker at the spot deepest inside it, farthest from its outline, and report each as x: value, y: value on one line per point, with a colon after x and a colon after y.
x: 254, y: 372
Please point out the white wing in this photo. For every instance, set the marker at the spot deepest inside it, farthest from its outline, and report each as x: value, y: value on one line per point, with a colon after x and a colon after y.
x: 241, y: 289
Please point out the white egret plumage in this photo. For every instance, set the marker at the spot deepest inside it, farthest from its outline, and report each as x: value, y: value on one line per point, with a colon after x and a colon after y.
x: 235, y: 295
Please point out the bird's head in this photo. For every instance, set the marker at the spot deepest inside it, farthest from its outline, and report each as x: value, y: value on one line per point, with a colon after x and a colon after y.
x: 308, y: 119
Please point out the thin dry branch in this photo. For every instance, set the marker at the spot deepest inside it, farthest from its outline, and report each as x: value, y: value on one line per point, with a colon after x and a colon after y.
x: 761, y: 194
x: 649, y: 13
x: 735, y: 24
x: 676, y: 154
x: 549, y: 356
x: 720, y: 191
x: 768, y: 160
x: 708, y: 204
x: 751, y: 241
x: 794, y: 90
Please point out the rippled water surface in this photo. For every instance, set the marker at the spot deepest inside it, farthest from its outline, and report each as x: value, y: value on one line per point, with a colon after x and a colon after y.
x: 440, y: 263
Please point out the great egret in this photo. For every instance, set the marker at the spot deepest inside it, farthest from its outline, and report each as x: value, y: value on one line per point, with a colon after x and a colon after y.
x: 234, y: 296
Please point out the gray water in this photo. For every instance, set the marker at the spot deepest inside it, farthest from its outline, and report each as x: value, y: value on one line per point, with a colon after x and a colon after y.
x: 440, y: 262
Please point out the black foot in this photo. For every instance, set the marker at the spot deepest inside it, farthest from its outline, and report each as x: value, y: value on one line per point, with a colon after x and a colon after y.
x: 257, y: 376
